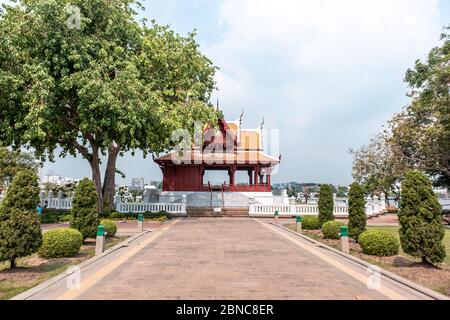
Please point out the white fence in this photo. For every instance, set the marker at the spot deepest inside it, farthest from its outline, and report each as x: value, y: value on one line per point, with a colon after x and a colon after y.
x: 60, y: 203
x: 373, y: 208
x: 173, y: 208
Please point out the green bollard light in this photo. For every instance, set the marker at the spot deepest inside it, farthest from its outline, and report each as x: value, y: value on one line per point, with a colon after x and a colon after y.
x: 344, y: 231
x: 298, y: 221
x: 100, y: 231
x: 344, y: 239
x: 140, y: 222
x: 100, y: 240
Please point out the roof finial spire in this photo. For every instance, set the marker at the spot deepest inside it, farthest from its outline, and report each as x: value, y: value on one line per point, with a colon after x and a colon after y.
x: 262, y: 124
x: 240, y: 117
x: 217, y: 104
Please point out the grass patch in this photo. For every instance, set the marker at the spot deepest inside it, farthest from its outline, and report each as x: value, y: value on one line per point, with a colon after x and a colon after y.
x: 402, y: 264
x: 394, y: 232
x: 33, y: 270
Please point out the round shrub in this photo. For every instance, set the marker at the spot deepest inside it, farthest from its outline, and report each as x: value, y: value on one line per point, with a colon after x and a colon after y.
x: 116, y: 215
x: 310, y: 223
x: 110, y: 227
x: 63, y: 242
x: 331, y: 229
x: 378, y: 243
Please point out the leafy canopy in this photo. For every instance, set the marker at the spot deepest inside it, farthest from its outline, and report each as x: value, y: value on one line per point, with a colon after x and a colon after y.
x: 111, y: 81
x: 422, y: 129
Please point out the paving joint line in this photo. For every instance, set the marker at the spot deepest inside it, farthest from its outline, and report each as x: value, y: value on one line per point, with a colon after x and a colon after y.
x: 425, y: 291
x: 48, y: 283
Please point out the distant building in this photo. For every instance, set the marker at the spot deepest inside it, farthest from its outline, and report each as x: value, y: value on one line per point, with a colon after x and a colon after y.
x: 137, y: 184
x: 441, y: 191
x: 52, y: 179
x: 58, y: 180
x: 299, y: 187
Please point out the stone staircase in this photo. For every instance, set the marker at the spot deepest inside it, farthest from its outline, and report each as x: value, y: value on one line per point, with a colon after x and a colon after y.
x: 230, y: 200
x: 225, y: 212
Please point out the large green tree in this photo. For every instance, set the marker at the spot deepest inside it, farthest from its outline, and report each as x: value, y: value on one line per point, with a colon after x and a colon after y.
x: 86, y: 77
x: 11, y: 162
x: 325, y: 204
x: 20, y: 229
x: 422, y: 129
x: 420, y: 216
x: 380, y: 166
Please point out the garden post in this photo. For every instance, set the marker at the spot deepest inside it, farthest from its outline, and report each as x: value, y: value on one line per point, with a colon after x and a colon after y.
x: 60, y: 199
x: 298, y: 221
x: 344, y: 239
x: 183, y: 204
x: 100, y: 241
x: 140, y: 222
x: 251, y: 205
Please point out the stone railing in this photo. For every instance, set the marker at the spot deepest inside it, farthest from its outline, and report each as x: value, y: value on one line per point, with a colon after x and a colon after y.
x: 172, y: 208
x: 175, y: 208
x: 373, y: 208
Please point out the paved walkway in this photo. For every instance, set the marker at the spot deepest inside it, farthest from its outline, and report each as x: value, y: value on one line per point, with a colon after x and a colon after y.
x: 224, y: 259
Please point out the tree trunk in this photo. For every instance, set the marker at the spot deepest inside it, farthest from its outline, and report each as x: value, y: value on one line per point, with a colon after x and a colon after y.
x: 109, y: 184
x: 12, y: 263
x: 96, y: 177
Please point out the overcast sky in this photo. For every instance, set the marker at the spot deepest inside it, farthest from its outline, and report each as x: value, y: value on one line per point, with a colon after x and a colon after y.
x: 326, y: 73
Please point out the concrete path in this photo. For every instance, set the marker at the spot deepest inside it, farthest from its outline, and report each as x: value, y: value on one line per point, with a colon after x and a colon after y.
x: 209, y: 258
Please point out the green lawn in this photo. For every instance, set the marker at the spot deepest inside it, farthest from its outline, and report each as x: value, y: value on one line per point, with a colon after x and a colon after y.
x: 27, y: 276
x: 394, y: 231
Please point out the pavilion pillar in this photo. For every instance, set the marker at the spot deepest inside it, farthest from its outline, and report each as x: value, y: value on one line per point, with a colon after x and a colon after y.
x: 256, y: 174
x: 232, y: 173
x: 250, y: 178
x: 202, y: 175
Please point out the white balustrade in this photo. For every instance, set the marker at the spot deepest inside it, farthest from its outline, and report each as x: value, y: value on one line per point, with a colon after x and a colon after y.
x: 176, y: 208
x: 135, y: 207
x: 340, y: 210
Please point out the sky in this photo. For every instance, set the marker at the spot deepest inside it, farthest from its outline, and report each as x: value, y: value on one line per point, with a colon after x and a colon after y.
x: 327, y: 74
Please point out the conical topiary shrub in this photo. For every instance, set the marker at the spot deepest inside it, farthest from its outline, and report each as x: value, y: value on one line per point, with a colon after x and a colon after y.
x: 84, y: 209
x: 356, y: 211
x: 20, y: 229
x: 326, y: 204
x: 420, y: 218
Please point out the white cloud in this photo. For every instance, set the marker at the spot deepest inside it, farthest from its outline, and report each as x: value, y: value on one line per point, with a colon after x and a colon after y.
x: 325, y: 66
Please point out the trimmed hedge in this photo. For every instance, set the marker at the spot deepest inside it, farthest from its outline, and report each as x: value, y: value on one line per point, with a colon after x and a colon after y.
x: 378, y: 243
x: 55, y: 216
x: 62, y: 242
x: 310, y: 223
x: 133, y: 216
x: 110, y: 227
x: 331, y: 229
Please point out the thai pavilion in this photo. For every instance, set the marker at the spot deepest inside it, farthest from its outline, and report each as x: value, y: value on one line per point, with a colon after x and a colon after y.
x: 228, y: 148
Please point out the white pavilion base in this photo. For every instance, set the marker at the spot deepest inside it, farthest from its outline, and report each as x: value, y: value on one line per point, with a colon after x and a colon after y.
x: 226, y: 199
